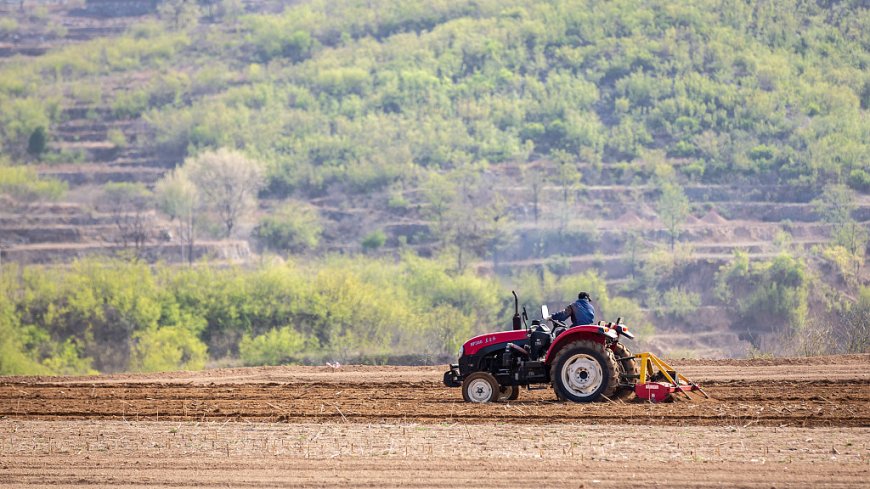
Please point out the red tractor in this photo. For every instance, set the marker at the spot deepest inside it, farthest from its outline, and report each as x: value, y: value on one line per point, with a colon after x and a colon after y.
x: 583, y: 363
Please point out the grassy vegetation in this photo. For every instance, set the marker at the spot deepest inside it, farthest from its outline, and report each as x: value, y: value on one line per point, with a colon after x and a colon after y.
x: 768, y: 296
x: 294, y: 227
x: 380, y: 97
x: 362, y: 93
x: 110, y: 316
x: 24, y: 185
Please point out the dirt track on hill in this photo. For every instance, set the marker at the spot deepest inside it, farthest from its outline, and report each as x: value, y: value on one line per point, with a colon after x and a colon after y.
x: 769, y: 423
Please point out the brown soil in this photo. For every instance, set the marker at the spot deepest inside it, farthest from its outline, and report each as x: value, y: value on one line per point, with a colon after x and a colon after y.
x: 769, y: 423
x: 629, y: 219
x: 713, y: 217
x: 119, y: 454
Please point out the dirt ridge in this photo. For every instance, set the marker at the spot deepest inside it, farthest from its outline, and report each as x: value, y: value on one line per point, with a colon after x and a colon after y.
x: 373, y: 394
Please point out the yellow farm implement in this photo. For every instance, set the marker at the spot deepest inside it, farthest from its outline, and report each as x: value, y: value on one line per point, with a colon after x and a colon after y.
x: 658, y: 381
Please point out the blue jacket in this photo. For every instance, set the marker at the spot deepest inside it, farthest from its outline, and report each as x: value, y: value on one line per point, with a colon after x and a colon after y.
x: 581, y: 312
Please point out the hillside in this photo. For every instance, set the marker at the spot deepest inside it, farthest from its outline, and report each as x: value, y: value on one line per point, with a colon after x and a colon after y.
x: 674, y: 157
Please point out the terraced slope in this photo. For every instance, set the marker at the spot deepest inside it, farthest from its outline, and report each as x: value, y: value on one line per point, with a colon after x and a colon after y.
x: 611, y: 210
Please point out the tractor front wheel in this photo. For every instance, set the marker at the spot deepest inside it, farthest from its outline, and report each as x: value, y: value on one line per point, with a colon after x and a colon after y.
x: 583, y: 371
x: 480, y: 387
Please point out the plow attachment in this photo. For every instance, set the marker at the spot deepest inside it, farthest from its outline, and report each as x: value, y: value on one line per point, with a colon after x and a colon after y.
x: 658, y: 381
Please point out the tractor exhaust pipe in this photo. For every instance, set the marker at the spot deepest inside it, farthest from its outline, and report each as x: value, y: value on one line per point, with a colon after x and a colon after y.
x: 517, y: 320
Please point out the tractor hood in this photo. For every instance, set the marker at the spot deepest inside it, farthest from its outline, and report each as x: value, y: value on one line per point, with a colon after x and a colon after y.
x: 473, y: 345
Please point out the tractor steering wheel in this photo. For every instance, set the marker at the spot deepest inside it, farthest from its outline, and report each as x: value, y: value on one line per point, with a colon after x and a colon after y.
x: 558, y: 323
x: 558, y: 327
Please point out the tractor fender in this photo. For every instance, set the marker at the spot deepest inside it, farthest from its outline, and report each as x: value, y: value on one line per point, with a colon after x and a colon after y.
x: 598, y: 334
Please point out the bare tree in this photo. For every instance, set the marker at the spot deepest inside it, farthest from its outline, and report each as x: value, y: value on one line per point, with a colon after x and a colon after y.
x: 470, y: 217
x: 835, y: 206
x: 569, y: 180
x: 177, y: 197
x: 227, y: 182
x: 129, y: 204
x: 440, y: 193
x: 673, y: 208
x: 534, y: 179
x: 854, y: 336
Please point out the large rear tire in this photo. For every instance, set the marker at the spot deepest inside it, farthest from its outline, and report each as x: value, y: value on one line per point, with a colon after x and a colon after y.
x: 628, y: 370
x: 509, y: 393
x: 480, y: 387
x: 584, y: 371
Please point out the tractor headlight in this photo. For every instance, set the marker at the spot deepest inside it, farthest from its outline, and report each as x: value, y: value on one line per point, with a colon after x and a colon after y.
x: 461, y: 351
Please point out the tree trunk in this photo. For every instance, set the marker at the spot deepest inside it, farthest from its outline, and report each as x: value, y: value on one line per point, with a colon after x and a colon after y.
x: 190, y: 237
x: 535, y: 206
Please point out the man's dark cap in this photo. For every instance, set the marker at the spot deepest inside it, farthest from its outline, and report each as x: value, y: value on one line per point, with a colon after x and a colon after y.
x: 584, y: 295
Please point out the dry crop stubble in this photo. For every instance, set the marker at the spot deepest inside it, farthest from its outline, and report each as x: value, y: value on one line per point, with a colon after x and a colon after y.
x: 373, y: 427
x: 338, y: 454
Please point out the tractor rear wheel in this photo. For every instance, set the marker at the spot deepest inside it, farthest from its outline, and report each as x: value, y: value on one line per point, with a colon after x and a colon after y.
x: 480, y: 387
x: 583, y: 371
x: 509, y: 393
x: 628, y: 370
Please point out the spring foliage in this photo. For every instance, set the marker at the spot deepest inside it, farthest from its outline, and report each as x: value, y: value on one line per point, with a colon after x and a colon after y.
x: 362, y: 93
x: 109, y: 316
x: 24, y: 185
x: 773, y: 294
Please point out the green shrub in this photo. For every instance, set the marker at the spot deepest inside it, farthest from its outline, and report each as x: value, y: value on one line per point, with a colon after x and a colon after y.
x: 397, y: 202
x: 77, y: 155
x: 8, y: 26
x: 14, y: 359
x: 99, y: 303
x: 24, y: 184
x: 680, y: 303
x: 859, y: 180
x: 146, y: 29
x: 67, y: 359
x: 113, y: 315
x: 273, y: 37
x: 374, y: 240
x: 168, y: 348
x: 275, y: 347
x: 37, y: 142
x: 294, y: 226
x: 87, y: 93
x: 846, y: 264
x: 769, y: 295
x: 694, y: 170
x: 341, y: 82
x: 168, y: 89
x: 444, y: 330
x: 117, y: 138
x: 130, y: 103
x: 20, y: 120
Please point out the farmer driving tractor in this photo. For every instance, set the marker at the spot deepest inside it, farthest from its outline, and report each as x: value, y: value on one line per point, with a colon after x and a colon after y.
x: 580, y: 311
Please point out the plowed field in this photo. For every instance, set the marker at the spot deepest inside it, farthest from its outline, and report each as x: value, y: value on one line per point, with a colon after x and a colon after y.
x: 770, y: 423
